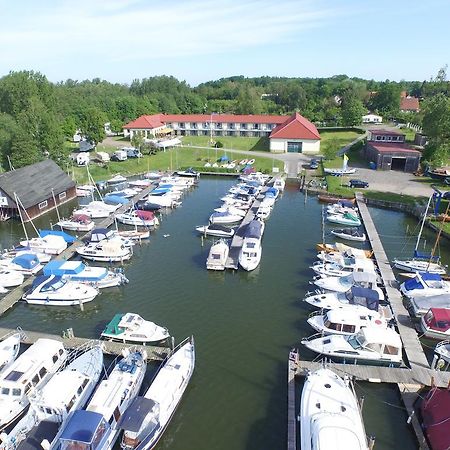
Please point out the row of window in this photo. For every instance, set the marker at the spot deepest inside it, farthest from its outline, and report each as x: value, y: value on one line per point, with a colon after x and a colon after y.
x: 220, y: 126
x: 389, y: 138
x: 222, y: 133
x: 44, y: 204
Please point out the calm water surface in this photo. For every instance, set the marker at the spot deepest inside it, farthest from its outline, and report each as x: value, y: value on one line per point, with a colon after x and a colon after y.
x: 244, y: 323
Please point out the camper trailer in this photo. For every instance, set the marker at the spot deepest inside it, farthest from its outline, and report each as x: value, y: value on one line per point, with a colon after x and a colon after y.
x: 119, y: 155
x: 82, y: 159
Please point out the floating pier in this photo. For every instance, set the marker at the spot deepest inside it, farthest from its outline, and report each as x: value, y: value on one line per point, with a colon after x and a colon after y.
x: 416, y: 373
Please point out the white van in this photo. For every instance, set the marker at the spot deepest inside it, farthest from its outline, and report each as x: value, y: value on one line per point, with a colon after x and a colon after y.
x: 82, y: 159
x: 103, y: 156
x: 119, y: 155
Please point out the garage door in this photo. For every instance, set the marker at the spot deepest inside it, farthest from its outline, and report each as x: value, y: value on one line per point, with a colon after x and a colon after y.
x: 294, y: 147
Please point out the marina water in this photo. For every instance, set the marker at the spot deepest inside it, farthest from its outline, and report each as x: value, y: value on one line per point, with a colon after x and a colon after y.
x: 244, y: 323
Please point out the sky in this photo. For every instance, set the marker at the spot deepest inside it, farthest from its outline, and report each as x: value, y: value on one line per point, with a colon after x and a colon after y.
x: 201, y: 40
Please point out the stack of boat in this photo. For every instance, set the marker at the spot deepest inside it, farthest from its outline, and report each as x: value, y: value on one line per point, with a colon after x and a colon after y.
x: 343, y: 213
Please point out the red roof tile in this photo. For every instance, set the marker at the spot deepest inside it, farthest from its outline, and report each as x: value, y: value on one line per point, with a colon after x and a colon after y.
x: 394, y: 147
x: 383, y: 132
x: 409, y: 104
x: 146, y: 122
x: 296, y: 127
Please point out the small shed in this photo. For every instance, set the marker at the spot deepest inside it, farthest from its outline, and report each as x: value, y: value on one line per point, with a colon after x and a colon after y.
x: 391, y: 156
x: 37, y: 187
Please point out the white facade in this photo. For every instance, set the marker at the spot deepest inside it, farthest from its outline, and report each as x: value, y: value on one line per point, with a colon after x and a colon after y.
x: 372, y: 118
x: 221, y: 128
x: 308, y: 146
x: 146, y: 133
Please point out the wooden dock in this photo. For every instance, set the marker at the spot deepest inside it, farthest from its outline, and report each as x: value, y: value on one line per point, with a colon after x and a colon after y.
x: 13, y: 296
x: 70, y: 341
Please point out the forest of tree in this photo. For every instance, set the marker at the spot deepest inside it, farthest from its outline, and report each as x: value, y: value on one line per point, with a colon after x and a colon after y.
x: 37, y: 116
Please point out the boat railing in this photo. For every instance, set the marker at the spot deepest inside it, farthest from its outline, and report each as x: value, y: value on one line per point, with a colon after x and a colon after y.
x: 442, y: 344
x: 315, y: 313
x: 311, y: 338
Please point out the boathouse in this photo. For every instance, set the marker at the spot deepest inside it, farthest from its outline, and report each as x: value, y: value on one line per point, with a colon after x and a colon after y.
x: 37, y: 188
x: 293, y: 133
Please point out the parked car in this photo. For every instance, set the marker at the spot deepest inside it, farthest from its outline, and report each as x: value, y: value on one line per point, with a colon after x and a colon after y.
x: 314, y: 164
x: 119, y: 155
x: 358, y: 184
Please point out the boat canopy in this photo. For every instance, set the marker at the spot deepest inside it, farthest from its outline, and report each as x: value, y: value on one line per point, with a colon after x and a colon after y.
x: 364, y: 296
x: 116, y: 199
x: 432, y: 301
x: 67, y: 237
x: 81, y: 426
x: 81, y: 218
x: 48, y: 279
x: 253, y: 230
x: 26, y: 260
x: 134, y: 416
x: 416, y: 282
x: 144, y: 215
x: 113, y: 326
x: 98, y: 234
x: 346, y: 203
x: 61, y: 267
x: 219, y: 227
x: 426, y: 256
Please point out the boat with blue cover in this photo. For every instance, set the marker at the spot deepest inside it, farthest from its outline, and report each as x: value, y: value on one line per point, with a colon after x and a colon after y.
x: 27, y: 263
x: 424, y: 284
x: 100, y: 277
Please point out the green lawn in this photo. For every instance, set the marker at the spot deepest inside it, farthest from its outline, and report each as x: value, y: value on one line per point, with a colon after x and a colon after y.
x: 176, y: 158
x: 229, y: 142
x: 393, y: 197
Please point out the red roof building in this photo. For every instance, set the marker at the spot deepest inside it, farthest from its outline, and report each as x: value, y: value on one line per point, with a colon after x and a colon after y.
x: 301, y: 134
x: 409, y: 104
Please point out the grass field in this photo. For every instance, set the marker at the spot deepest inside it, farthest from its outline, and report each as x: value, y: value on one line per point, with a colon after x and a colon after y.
x: 229, y: 142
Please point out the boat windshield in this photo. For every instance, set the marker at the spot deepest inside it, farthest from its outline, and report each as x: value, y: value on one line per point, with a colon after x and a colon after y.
x: 74, y: 445
x: 354, y: 342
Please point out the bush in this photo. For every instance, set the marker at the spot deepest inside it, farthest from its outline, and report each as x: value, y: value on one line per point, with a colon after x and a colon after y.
x: 218, y: 144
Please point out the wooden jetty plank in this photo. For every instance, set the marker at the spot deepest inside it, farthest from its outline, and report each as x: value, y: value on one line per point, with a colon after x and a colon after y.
x: 292, y: 416
x: 13, y: 296
x: 411, y: 343
x: 112, y: 348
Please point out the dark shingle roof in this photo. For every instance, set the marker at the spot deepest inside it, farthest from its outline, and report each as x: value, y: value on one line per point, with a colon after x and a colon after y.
x: 33, y: 184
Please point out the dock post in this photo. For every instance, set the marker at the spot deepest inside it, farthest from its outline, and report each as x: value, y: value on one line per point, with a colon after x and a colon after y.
x: 371, y: 442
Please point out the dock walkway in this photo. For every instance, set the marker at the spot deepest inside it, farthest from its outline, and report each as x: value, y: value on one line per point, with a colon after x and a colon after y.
x: 12, y: 297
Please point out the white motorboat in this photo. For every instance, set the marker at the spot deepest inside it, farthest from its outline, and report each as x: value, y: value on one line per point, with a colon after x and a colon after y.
x: 10, y: 278
x: 178, y: 181
x: 329, y: 269
x: 67, y: 390
x: 435, y: 324
x: 349, y: 234
x: 441, y: 358
x: 279, y: 184
x: 26, y: 263
x: 342, y: 208
x: 138, y: 218
x: 30, y: 371
x: 263, y: 212
x: 116, y: 179
x: 85, y: 190
x: 153, y: 175
x: 188, y: 173
x: 218, y: 255
x: 132, y: 328
x: 145, y: 421
x: 346, y: 320
x: 107, y: 250
x: 96, y: 427
x: 80, y: 222
x: 97, y: 210
x: 215, y: 230
x: 162, y: 200
x: 370, y: 345
x: 419, y: 265
x: 140, y: 183
x: 424, y: 284
x: 126, y: 193
x: 9, y: 349
x: 54, y: 291
x: 330, y: 416
x: 356, y: 295
x: 251, y: 251
x: 419, y: 306
x: 348, y: 219
x: 99, y: 277
x: 231, y: 210
x: 224, y: 218
x: 339, y: 172
x: 134, y: 235
x: 50, y: 244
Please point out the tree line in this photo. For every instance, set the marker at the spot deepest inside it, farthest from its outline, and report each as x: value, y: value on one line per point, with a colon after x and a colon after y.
x: 37, y: 116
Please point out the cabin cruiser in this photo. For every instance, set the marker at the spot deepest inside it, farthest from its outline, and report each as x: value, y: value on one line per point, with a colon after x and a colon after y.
x: 146, y: 419
x: 30, y: 371
x: 10, y: 278
x: 80, y: 222
x: 188, y: 173
x: 435, y: 324
x: 218, y: 255
x: 126, y: 193
x: 134, y: 235
x: 331, y: 269
x: 132, y: 328
x: 104, y: 234
x: 138, y: 218
x: 68, y: 389
x: 370, y: 345
x: 178, y: 181
x: 424, y: 284
x: 356, y: 295
x: 349, y: 234
x: 251, y: 251
x: 96, y: 427
x: 85, y: 190
x: 53, y: 290
x: 9, y: 349
x: 434, y: 414
x: 25, y: 263
x: 231, y: 210
x: 338, y: 249
x: 107, y: 250
x: 263, y: 212
x: 50, y: 244
x: 142, y: 184
x: 96, y: 210
x: 347, y: 219
x: 419, y: 306
x: 99, y: 277
x: 346, y: 320
x: 330, y: 416
x: 279, y: 184
x: 162, y: 200
x: 116, y: 179
x: 215, y: 229
x: 419, y: 265
x: 224, y: 218
x: 342, y: 208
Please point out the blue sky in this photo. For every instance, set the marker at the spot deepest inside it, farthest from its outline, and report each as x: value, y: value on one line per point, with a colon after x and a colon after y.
x: 201, y: 40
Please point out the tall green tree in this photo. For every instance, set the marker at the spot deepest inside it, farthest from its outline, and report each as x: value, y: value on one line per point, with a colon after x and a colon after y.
x: 92, y: 124
x: 386, y: 101
x: 24, y: 149
x: 248, y: 101
x: 352, y: 110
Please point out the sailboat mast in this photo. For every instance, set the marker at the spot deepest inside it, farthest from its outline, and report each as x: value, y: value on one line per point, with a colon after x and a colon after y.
x: 20, y: 215
x: 423, y: 223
